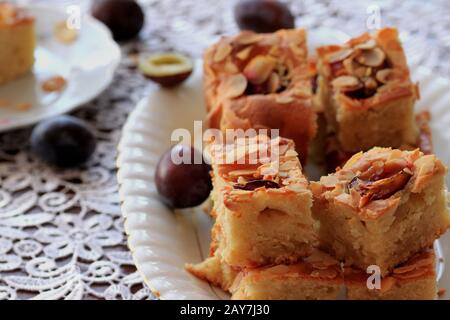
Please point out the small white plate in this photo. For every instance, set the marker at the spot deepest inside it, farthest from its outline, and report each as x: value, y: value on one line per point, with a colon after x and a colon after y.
x: 88, y: 65
x: 161, y: 240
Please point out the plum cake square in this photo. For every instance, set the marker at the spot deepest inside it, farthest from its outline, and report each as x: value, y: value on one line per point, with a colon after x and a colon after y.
x: 366, y: 91
x: 383, y: 206
x: 263, y: 208
x: 317, y: 277
x: 413, y: 280
x: 261, y: 81
x: 17, y: 42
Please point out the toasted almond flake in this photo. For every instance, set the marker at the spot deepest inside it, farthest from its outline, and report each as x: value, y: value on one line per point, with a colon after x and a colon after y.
x: 274, y: 83
x: 339, y: 55
x: 384, y: 75
x: 325, y: 274
x: 369, y: 44
x: 371, y: 58
x: 246, y: 38
x: 64, y: 34
x: 346, y: 83
x: 244, y: 53
x: 233, y: 86
x: 370, y: 83
x: 241, y: 180
x: 302, y: 92
x: 223, y: 50
x: 230, y: 67
x: 243, y: 172
x: 291, y: 153
x: 284, y: 99
x: 329, y: 181
x: 412, y: 274
x: 288, y: 165
x: 54, y: 84
x: 424, y: 262
x: 259, y: 69
x: 404, y: 269
x: 296, y: 50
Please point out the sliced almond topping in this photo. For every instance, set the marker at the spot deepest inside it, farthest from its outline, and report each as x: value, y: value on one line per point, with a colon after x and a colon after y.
x: 340, y: 55
x: 291, y: 153
x: 354, y: 68
x: 302, y: 92
x: 53, y: 84
x: 274, y: 83
x: 424, y: 262
x: 325, y: 274
x: 230, y: 67
x: 244, y: 53
x: 288, y: 165
x: 247, y: 38
x: 384, y: 75
x: 371, y: 58
x: 346, y: 83
x: 248, y: 172
x: 370, y: 83
x: 404, y: 269
x: 222, y: 51
x: 233, y: 86
x: 369, y: 44
x: 259, y: 69
x: 241, y: 180
x: 412, y: 274
x: 284, y: 99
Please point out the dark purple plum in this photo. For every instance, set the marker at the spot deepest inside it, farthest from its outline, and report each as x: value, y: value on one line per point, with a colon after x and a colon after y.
x: 263, y: 16
x: 182, y: 185
x: 124, y: 18
x: 63, y: 141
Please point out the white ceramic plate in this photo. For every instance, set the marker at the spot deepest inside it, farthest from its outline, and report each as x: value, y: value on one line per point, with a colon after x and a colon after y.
x: 88, y: 65
x: 162, y: 241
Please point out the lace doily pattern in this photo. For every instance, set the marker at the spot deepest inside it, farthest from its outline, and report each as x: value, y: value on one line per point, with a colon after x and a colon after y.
x: 61, y: 232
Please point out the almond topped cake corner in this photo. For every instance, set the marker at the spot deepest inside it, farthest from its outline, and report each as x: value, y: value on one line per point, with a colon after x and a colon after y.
x: 366, y: 91
x: 382, y: 207
x: 261, y: 81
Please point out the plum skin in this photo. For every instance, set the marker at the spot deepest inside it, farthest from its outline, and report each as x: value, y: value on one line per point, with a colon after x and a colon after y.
x: 182, y: 185
x: 124, y: 18
x: 63, y: 141
x: 263, y: 16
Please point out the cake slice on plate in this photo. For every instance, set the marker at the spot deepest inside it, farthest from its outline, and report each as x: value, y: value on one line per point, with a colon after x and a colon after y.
x: 17, y: 42
x: 366, y: 92
x: 382, y: 207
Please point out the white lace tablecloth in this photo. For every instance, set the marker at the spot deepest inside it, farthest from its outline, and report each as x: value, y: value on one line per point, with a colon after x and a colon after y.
x: 61, y: 232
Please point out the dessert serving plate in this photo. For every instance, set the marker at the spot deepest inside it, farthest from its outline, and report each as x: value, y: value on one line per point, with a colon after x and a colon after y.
x: 162, y: 240
x: 92, y: 55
